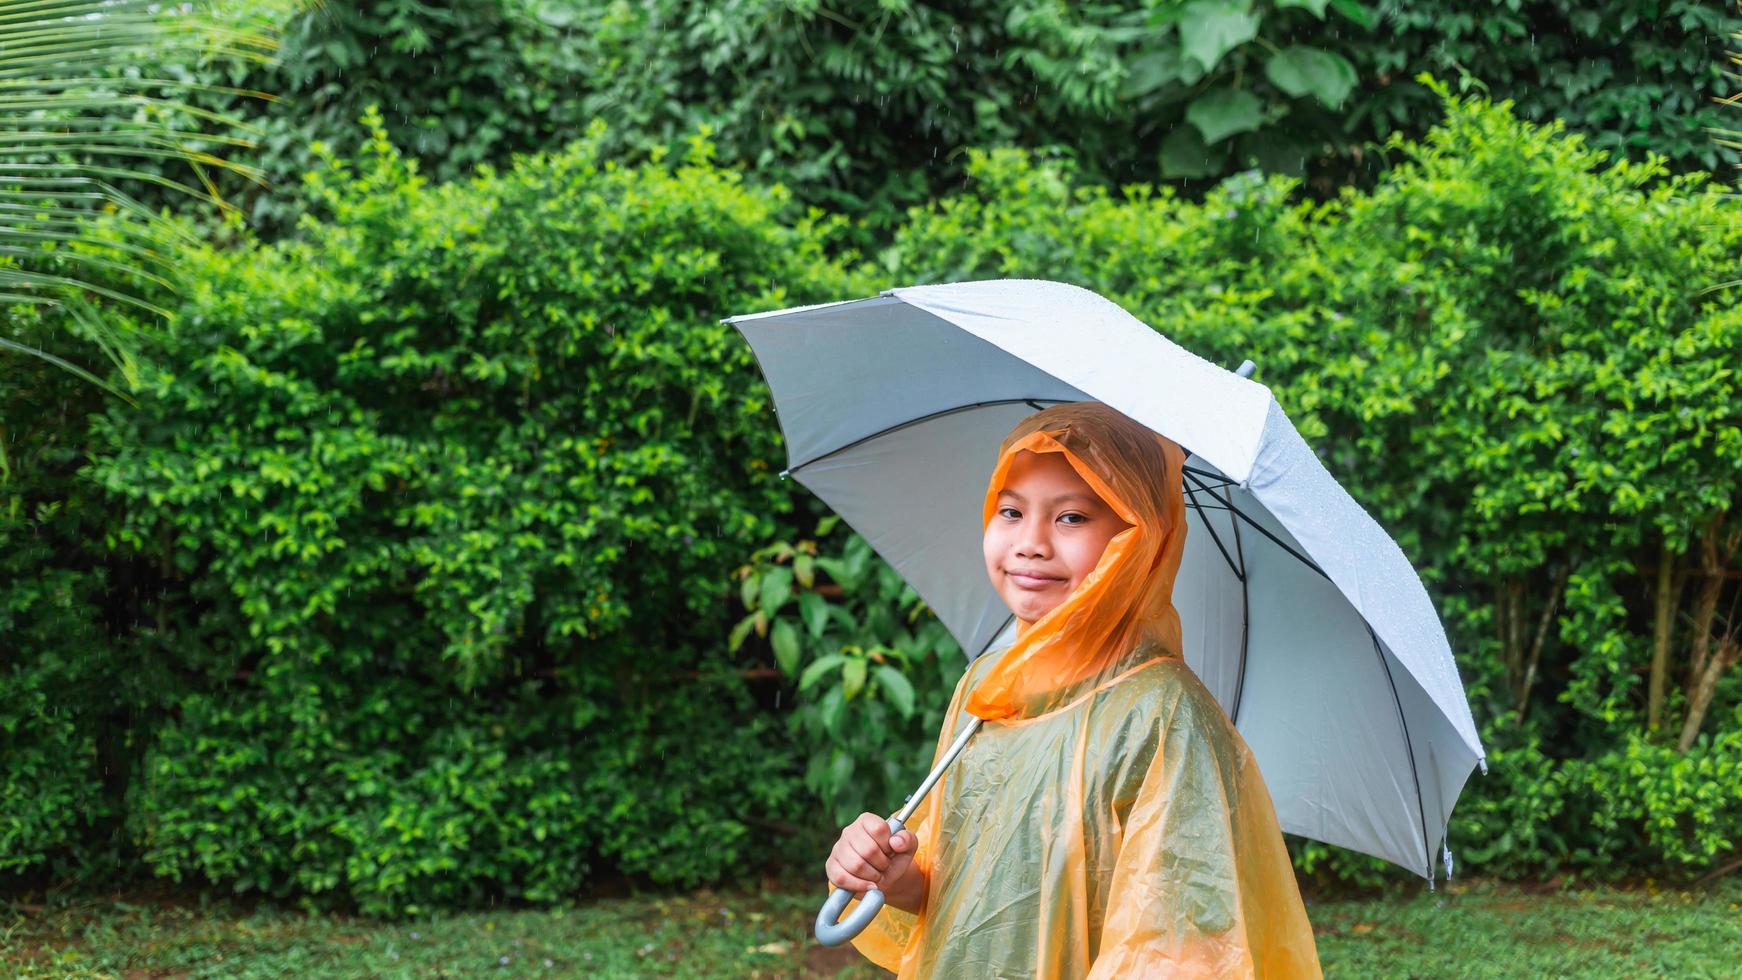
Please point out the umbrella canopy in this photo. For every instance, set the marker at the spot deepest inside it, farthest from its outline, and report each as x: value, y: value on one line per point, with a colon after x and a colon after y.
x: 1298, y: 611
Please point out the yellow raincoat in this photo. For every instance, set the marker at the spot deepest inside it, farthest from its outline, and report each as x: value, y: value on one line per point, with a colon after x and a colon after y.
x: 1107, y: 820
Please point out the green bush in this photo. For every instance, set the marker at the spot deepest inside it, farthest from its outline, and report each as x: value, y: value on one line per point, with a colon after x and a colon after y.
x: 397, y: 796
x: 67, y: 691
x: 428, y: 514
x: 1643, y: 799
x: 48, y: 736
x: 865, y: 107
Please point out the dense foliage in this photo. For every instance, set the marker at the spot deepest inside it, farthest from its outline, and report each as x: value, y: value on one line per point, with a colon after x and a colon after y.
x: 444, y: 558
x: 57, y: 694
x: 873, y: 668
x: 865, y: 107
x: 412, y: 560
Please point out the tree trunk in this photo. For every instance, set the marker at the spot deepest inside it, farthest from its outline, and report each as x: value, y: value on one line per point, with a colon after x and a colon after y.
x: 1542, y: 625
x: 1705, y: 610
x: 1510, y: 613
x: 1706, y: 664
x: 1664, y: 620
x: 1722, y: 660
x: 1714, y: 573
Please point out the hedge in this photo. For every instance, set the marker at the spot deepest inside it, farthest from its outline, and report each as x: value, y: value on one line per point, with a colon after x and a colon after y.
x: 443, y: 558
x: 419, y: 534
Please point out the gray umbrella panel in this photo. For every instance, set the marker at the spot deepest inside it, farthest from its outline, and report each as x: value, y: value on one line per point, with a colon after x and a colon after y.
x: 893, y: 411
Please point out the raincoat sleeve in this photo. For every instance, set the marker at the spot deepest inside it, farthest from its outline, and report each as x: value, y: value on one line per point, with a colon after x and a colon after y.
x: 1202, y: 885
x: 885, y: 940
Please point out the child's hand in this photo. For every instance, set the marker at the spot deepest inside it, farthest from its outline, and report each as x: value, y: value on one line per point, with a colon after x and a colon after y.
x: 869, y: 856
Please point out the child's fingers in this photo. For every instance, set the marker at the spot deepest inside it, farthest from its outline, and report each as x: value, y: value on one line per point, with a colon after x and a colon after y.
x: 863, y: 855
x: 840, y: 877
x: 868, y: 852
x: 876, y: 827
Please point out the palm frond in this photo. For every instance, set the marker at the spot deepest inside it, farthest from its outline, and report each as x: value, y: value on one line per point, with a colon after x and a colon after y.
x: 71, y: 121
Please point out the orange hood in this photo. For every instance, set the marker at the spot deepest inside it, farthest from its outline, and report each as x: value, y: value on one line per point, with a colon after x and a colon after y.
x: 1122, y: 613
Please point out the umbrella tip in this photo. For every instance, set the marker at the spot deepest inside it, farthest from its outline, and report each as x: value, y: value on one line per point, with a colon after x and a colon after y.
x: 1246, y: 368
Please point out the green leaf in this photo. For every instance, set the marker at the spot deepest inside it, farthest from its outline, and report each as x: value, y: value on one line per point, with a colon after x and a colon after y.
x: 840, y: 769
x: 66, y: 366
x: 786, y: 649
x: 829, y: 709
x: 814, y: 610
x: 934, y: 637
x: 1301, y: 70
x: 740, y: 632
x: 836, y: 569
x: 856, y: 561
x: 747, y: 590
x: 853, y: 677
x: 1224, y: 112
x: 776, y: 589
x: 1150, y: 71
x: 1208, y: 30
x: 804, y: 568
x: 843, y: 618
x: 826, y: 525
x: 1359, y: 13
x: 890, y: 585
x: 896, y: 688
x: 1183, y: 154
x: 1316, y: 6
x: 816, y: 671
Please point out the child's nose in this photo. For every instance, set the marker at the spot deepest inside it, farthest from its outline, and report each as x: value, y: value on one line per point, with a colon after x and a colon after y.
x: 1034, y: 544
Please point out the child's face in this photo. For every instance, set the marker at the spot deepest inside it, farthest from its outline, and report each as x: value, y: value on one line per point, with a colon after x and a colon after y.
x: 1047, y: 535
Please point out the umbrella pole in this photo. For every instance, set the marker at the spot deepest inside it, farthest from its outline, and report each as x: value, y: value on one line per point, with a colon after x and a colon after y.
x: 831, y: 929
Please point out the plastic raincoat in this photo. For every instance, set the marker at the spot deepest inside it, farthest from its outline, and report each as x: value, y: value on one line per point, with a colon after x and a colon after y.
x: 1107, y: 820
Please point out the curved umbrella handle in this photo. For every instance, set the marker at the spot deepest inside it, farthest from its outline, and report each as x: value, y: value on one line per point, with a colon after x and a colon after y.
x: 831, y: 929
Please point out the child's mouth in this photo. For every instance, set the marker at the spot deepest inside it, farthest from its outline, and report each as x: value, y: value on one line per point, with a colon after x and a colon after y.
x: 1024, y: 581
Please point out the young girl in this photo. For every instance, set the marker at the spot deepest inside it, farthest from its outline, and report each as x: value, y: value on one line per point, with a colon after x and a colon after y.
x: 1107, y: 820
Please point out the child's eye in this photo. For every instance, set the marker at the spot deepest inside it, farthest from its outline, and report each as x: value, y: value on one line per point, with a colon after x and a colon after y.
x: 1080, y: 519
x: 1010, y: 512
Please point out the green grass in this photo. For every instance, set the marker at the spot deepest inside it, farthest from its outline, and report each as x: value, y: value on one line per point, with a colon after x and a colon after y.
x: 1468, y: 930
x: 1493, y: 930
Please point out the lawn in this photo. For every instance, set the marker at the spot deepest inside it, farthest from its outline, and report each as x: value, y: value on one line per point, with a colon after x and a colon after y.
x: 1470, y: 929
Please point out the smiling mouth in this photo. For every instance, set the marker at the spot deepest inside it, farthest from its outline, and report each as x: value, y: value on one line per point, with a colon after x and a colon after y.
x: 1032, y: 581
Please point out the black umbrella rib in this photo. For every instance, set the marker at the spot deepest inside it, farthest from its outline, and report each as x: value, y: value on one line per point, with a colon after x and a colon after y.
x: 1217, y: 481
x: 1261, y: 529
x: 1034, y: 402
x: 1217, y: 507
x: 1236, y: 564
x: 1408, y: 746
x: 1245, y: 620
x: 1239, y: 573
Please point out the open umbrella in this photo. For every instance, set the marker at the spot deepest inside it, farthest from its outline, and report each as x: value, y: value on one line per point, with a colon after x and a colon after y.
x: 1298, y: 611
